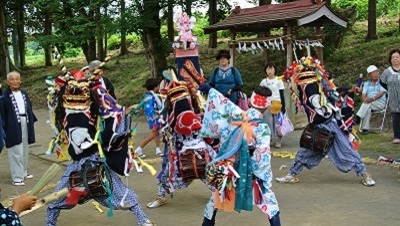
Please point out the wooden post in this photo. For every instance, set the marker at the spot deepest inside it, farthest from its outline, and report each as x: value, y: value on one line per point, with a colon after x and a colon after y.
x: 320, y: 52
x: 232, y: 47
x: 290, y: 106
x: 289, y: 47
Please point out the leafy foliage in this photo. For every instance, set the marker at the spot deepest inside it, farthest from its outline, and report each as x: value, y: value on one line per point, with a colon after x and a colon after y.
x: 133, y: 40
x: 383, y: 7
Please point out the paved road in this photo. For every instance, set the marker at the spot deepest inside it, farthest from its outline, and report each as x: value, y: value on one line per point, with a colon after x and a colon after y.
x: 323, y: 197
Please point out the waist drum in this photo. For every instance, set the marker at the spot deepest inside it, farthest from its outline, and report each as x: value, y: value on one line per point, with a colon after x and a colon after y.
x: 193, y: 164
x: 93, y: 179
x: 317, y: 139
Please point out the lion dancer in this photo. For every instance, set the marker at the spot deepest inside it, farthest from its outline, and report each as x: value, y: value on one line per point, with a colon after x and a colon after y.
x: 182, y: 142
x: 81, y: 106
x: 241, y: 173
x: 314, y: 89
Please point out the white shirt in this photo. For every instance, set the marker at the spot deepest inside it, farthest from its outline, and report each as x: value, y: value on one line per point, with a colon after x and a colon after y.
x: 102, y: 83
x: 20, y: 101
x: 274, y: 85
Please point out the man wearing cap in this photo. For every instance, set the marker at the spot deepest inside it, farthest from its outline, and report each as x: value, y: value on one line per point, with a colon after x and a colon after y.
x: 86, y: 70
x: 373, y: 99
x: 105, y: 82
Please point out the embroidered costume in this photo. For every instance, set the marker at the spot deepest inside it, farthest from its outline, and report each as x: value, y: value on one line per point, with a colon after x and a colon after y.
x: 316, y: 95
x: 182, y: 143
x: 186, y: 154
x: 241, y: 173
x: 92, y: 121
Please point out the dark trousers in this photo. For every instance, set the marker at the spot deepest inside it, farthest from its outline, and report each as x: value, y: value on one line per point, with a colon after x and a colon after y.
x: 396, y: 124
x: 275, y: 221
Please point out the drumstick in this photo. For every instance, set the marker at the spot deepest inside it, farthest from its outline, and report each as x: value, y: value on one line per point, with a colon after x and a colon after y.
x: 46, y: 200
x: 46, y: 178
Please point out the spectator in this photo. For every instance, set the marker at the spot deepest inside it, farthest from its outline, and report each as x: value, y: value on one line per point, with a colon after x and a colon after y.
x: 9, y: 216
x: 373, y: 98
x: 277, y: 99
x: 151, y: 104
x: 86, y: 70
x: 18, y: 118
x: 225, y: 78
x: 390, y: 79
x: 105, y: 82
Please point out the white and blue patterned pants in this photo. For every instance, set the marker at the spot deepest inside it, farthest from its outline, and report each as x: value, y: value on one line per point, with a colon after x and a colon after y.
x: 131, y: 201
x: 342, y: 154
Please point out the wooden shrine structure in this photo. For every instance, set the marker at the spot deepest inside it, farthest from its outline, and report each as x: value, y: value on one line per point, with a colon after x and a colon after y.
x: 314, y: 13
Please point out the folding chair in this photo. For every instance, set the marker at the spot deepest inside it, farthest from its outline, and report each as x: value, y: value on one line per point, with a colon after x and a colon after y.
x: 375, y: 123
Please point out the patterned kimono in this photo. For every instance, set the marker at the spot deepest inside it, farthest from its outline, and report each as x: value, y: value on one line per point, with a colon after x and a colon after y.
x: 219, y: 122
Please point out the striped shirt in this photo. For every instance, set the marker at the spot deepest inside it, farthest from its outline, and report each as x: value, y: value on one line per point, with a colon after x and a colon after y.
x: 391, y: 78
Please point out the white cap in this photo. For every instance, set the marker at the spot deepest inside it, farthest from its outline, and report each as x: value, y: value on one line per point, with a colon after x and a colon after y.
x: 85, y: 68
x: 371, y: 68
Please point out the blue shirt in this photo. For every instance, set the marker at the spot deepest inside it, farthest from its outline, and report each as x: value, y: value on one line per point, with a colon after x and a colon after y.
x: 371, y: 90
x: 224, y: 80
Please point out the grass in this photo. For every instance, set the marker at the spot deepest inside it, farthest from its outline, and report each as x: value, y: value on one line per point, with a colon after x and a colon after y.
x: 376, y: 144
x: 128, y: 73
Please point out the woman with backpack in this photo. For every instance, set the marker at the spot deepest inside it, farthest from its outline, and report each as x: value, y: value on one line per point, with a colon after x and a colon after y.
x: 225, y: 78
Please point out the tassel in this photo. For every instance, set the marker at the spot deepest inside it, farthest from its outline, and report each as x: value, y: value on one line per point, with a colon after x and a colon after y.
x: 74, y: 195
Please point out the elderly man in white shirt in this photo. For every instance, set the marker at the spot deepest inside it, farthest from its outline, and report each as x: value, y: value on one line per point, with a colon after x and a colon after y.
x: 373, y: 98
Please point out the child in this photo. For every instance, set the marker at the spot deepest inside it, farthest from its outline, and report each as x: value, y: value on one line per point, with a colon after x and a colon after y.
x: 151, y: 103
x: 245, y: 146
x: 277, y: 99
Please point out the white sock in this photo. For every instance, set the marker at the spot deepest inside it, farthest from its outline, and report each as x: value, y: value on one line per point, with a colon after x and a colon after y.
x: 139, y: 150
x: 158, y: 150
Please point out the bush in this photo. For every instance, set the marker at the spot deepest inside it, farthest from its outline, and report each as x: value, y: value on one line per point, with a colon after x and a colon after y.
x: 114, y: 42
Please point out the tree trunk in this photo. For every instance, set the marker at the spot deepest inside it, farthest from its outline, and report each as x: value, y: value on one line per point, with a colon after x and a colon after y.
x: 212, y: 11
x: 15, y: 47
x: 124, y: 48
x: 170, y: 20
x: 371, y: 20
x: 188, y: 7
x: 99, y: 34
x: 89, y: 47
x: 151, y: 38
x: 47, y: 32
x: 92, y: 49
x: 328, y: 2
x: 154, y: 52
x: 105, y: 35
x: 4, y: 54
x: 20, y: 24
